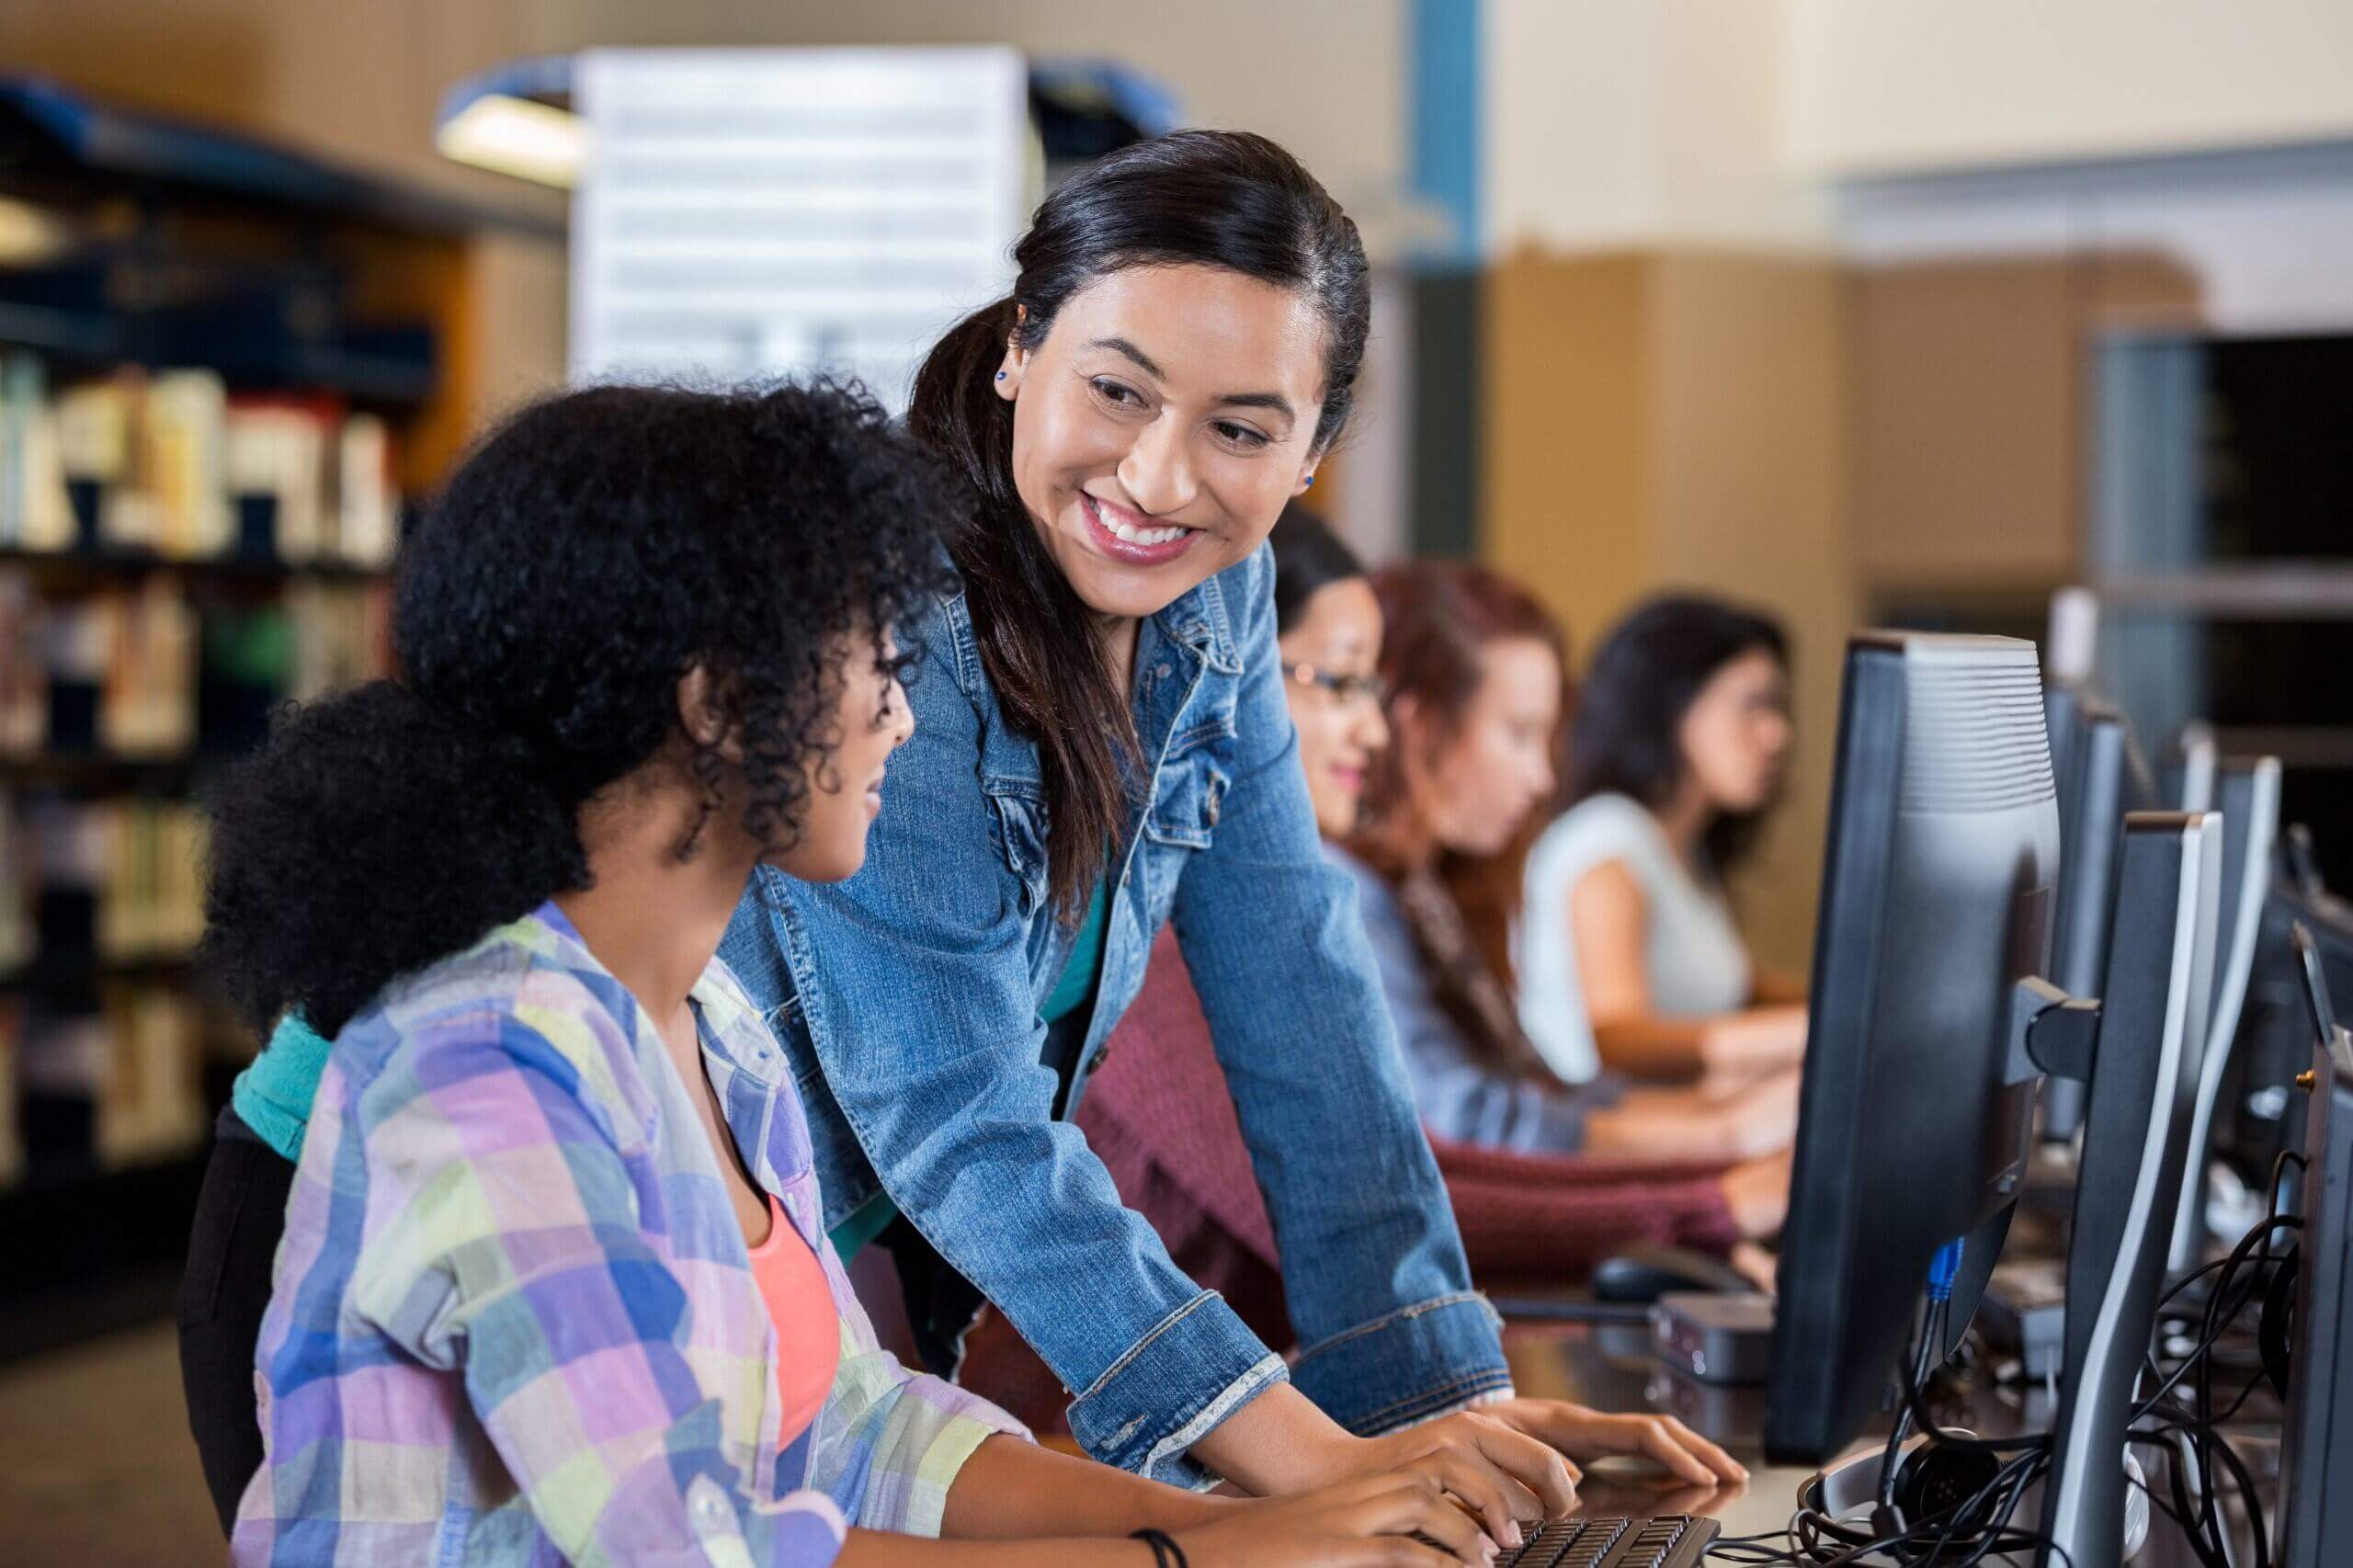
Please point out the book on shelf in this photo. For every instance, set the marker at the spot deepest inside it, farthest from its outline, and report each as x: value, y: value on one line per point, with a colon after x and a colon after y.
x: 12, y: 1136
x: 148, y: 705
x: 112, y: 672
x: 171, y: 463
x: 34, y: 512
x: 24, y: 669
x: 18, y: 938
x: 120, y: 880
x: 341, y: 636
x: 134, y: 1062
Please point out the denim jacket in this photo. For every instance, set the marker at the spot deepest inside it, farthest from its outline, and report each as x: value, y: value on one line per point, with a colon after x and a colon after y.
x: 918, y: 1052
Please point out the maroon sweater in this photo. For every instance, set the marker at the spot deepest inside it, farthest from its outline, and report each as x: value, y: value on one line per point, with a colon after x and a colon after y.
x: 1157, y: 1114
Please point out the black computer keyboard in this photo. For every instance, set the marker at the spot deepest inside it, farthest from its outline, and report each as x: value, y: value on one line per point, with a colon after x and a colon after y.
x: 1667, y: 1540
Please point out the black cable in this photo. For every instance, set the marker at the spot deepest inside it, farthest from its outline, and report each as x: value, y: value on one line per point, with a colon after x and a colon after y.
x: 2271, y: 1188
x: 2229, y: 1265
x: 1981, y: 1523
x: 1930, y: 1330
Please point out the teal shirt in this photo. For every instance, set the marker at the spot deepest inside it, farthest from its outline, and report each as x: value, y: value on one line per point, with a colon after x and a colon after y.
x: 1076, y: 982
x: 1072, y: 988
x: 273, y: 1095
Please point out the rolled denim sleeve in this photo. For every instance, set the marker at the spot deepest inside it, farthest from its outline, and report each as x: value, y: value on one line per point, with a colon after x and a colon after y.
x: 926, y: 1027
x: 1373, y: 1268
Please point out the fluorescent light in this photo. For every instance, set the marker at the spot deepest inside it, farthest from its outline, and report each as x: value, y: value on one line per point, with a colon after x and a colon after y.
x: 516, y: 136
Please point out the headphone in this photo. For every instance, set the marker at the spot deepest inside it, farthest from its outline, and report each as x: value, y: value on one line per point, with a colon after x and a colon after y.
x: 2275, y: 1332
x: 1842, y: 1503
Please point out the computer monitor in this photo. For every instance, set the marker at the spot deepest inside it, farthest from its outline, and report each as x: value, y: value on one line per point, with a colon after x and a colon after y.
x: 2316, y: 1437
x: 2187, y: 781
x: 2103, y: 781
x: 1935, y: 901
x: 2156, y: 999
x: 2063, y: 724
x: 2245, y: 790
x: 2256, y: 1114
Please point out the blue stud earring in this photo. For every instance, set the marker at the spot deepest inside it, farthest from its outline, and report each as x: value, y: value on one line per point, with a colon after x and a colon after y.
x: 1000, y: 375
x: 1310, y: 482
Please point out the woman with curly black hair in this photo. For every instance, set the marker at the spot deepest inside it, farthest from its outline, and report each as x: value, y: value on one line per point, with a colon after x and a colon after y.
x: 552, y: 1281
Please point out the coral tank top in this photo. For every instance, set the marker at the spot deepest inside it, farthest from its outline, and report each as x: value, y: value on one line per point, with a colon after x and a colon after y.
x: 808, y: 1324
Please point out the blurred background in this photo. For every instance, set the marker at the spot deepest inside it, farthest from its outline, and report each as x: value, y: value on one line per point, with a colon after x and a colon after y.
x: 1865, y: 310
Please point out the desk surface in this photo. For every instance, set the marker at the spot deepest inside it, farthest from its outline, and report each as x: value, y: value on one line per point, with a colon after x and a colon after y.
x: 1612, y: 1367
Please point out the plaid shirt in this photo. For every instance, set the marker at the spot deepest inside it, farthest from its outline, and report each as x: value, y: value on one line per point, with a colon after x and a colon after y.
x: 515, y: 1319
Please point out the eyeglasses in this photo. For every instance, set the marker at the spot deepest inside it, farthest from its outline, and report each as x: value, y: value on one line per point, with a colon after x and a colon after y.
x: 1346, y: 689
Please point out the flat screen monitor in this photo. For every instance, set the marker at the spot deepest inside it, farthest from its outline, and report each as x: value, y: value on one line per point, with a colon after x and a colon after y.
x: 1943, y: 849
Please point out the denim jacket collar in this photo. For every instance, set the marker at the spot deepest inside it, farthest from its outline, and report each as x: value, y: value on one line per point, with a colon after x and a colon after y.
x: 1198, y: 619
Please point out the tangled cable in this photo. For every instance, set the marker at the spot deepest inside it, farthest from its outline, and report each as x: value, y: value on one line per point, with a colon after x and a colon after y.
x: 1981, y: 1523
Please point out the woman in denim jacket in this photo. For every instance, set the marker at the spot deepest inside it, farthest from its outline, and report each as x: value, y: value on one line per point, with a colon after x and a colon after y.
x: 553, y: 1282
x: 1102, y: 748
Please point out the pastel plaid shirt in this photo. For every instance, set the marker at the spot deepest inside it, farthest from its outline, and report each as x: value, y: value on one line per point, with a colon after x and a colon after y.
x: 515, y: 1319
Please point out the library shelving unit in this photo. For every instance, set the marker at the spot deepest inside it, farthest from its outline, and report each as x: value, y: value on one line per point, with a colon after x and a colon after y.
x: 225, y: 366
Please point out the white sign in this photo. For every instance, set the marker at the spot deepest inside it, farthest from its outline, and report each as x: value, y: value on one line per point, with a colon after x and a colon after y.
x: 757, y: 211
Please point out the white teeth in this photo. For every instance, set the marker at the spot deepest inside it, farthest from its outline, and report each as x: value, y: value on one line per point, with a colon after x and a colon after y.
x: 1135, y: 535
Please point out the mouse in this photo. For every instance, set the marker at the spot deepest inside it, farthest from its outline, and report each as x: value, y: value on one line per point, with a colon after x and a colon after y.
x: 1645, y: 1274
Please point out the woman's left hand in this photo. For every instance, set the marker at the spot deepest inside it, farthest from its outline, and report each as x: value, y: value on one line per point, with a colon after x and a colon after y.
x: 1584, y: 1434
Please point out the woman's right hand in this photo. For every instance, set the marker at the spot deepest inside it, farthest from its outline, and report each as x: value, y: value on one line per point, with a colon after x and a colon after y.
x: 1368, y: 1522
x: 1756, y: 1039
x: 1761, y: 1120
x: 1758, y: 1193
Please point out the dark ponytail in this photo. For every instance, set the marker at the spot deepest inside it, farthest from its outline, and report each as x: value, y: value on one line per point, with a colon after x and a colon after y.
x: 1220, y: 198
x: 581, y: 561
x: 386, y: 775
x: 1309, y: 557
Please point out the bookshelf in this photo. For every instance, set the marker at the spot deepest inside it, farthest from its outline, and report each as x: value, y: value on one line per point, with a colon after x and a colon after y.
x: 225, y: 370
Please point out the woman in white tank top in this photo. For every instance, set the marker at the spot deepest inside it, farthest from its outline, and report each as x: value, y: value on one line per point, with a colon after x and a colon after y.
x: 1627, y: 953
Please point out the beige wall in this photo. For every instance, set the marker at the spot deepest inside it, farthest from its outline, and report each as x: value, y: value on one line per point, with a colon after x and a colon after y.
x: 1323, y: 77
x: 359, y: 80
x: 1675, y: 418
x: 1879, y: 86
x: 1752, y: 471
x: 362, y: 78
x: 1615, y: 123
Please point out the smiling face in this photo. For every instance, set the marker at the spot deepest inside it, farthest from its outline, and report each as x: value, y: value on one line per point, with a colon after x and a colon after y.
x: 1160, y: 427
x: 1330, y: 655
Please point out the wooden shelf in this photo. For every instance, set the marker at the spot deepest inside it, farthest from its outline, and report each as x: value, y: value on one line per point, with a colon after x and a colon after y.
x: 99, y: 770
x: 77, y: 341
x: 61, y: 971
x: 200, y: 247
x: 71, y: 138
x: 112, y: 565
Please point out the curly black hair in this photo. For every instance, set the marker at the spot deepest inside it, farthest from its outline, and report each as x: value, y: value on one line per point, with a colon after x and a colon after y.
x: 587, y: 555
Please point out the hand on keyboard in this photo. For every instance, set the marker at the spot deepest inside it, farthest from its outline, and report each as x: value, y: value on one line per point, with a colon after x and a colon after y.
x: 1399, y: 1518
x: 1584, y: 1434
